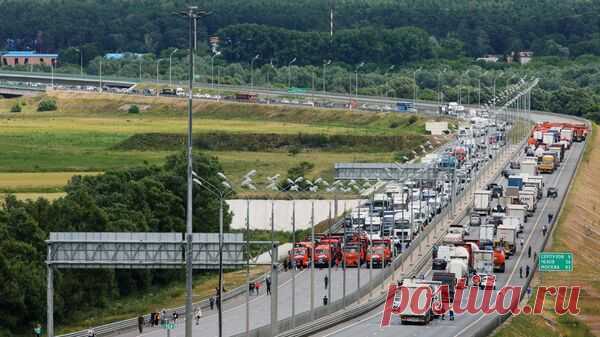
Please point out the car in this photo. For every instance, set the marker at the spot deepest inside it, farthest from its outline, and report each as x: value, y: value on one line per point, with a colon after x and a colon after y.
x: 552, y: 192
x: 475, y: 220
x: 485, y: 278
x: 515, y: 165
x: 506, y: 173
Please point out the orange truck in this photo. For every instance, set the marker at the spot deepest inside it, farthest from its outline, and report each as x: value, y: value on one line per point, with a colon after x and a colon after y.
x: 328, y: 251
x: 301, y: 254
x: 353, y: 254
x: 499, y: 260
x: 386, y: 246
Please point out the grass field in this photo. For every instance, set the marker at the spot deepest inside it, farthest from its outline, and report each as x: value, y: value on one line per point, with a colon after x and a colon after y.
x: 578, y: 231
x: 82, y: 134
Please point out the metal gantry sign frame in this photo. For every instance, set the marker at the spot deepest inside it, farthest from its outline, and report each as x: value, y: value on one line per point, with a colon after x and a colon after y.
x: 107, y: 250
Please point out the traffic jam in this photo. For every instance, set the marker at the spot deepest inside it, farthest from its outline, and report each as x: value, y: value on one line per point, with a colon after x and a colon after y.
x: 475, y: 250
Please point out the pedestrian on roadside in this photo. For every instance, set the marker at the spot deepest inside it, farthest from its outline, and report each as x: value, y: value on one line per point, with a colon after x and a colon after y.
x: 257, y: 287
x: 156, y: 318
x: 529, y: 252
x: 175, y: 316
x: 285, y: 265
x: 37, y: 330
x: 544, y: 229
x: 141, y: 323
x: 198, y: 314
x: 534, y: 256
x: 522, y: 243
x: 521, y: 272
x: 527, y: 271
x: 451, y: 314
x: 251, y: 287
x: 268, y: 283
x: 528, y: 292
x: 326, y: 281
x: 211, y: 302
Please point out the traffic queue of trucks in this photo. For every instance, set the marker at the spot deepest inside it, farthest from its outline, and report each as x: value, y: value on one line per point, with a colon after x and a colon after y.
x: 548, y: 143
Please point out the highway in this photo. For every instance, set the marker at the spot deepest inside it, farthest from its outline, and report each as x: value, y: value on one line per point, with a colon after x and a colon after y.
x: 467, y: 324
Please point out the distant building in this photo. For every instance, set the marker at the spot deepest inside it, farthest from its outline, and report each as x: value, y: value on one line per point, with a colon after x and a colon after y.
x: 489, y: 58
x: 525, y: 57
x: 13, y: 58
x: 119, y: 56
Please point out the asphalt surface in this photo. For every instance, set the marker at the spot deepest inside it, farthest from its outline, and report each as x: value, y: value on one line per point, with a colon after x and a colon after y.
x: 466, y: 324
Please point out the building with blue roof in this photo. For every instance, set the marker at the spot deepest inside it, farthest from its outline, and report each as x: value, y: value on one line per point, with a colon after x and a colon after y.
x: 13, y: 58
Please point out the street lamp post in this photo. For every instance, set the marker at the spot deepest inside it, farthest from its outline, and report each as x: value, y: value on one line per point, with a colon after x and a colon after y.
x: 460, y: 86
x: 356, y: 78
x: 100, y: 74
x: 416, y: 87
x: 170, y: 66
x: 141, y: 70
x: 386, y: 82
x: 80, y: 60
x: 440, y: 98
x: 290, y: 72
x: 157, y: 72
x: 212, y: 69
x: 325, y: 64
x: 252, y: 70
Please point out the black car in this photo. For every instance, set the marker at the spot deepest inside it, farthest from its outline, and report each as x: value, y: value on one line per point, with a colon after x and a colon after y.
x: 552, y: 192
x: 515, y: 165
x: 506, y: 173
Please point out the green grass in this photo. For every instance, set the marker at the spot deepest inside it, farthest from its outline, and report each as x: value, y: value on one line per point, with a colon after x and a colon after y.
x: 82, y: 134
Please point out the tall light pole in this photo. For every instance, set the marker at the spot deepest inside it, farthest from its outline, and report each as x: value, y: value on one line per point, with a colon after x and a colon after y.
x: 386, y: 82
x: 141, y: 70
x: 101, y: 74
x: 80, y: 60
x: 356, y: 78
x: 460, y: 86
x: 290, y: 72
x: 192, y: 14
x: 170, y: 66
x: 325, y: 64
x: 440, y: 99
x: 479, y: 88
x: 212, y: 69
x: 252, y: 70
x: 157, y: 72
x: 416, y: 87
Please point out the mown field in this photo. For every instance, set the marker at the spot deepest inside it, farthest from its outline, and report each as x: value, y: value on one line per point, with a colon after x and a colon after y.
x: 578, y: 232
x: 85, y: 134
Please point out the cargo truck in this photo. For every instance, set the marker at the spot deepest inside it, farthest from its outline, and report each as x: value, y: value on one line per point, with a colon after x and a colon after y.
x: 506, y: 238
x: 528, y: 198
x: 413, y: 290
x: 517, y: 211
x: 486, y: 236
x: 513, y: 221
x: 483, y: 262
x: 499, y: 260
x: 529, y: 167
x: 547, y: 164
x: 481, y: 202
x: 548, y: 138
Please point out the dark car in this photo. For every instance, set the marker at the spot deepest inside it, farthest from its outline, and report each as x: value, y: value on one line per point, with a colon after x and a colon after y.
x: 515, y: 165
x: 506, y: 173
x: 552, y: 192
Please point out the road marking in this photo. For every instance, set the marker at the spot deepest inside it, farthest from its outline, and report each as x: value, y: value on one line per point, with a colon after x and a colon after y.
x: 353, y: 324
x: 557, y: 180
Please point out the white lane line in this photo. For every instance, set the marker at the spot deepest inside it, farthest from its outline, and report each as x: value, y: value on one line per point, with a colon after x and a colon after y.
x: 557, y: 180
x: 353, y: 324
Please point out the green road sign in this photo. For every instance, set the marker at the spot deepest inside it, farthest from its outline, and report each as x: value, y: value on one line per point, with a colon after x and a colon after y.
x: 555, y: 262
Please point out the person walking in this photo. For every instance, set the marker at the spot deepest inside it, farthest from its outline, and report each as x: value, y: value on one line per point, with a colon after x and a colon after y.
x: 550, y: 217
x: 268, y: 283
x: 527, y: 271
x: 257, y: 287
x: 326, y: 281
x: 175, y: 316
x: 451, y: 314
x: 521, y: 272
x: 251, y: 286
x: 544, y: 229
x: 37, y: 330
x: 140, y: 323
x: 529, y: 252
x: 522, y: 243
x: 198, y: 314
x: 211, y: 302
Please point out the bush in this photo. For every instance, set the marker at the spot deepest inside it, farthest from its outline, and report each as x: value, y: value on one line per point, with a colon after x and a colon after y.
x: 294, y: 150
x: 134, y: 109
x: 16, y: 107
x: 47, y: 105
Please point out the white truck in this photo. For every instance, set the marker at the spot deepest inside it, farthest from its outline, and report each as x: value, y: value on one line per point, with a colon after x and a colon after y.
x: 513, y: 221
x: 453, y: 238
x: 483, y: 261
x: 460, y: 268
x: 413, y: 291
x: 517, y: 211
x: 548, y: 138
x: 538, y: 182
x: 567, y: 134
x: 486, y: 235
x: 481, y: 202
x: 529, y: 167
x: 506, y: 237
x: 529, y: 199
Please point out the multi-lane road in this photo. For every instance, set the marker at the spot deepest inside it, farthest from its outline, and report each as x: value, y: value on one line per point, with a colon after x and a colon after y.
x: 468, y: 324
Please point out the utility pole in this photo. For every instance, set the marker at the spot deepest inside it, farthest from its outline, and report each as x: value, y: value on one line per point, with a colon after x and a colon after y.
x: 192, y: 14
